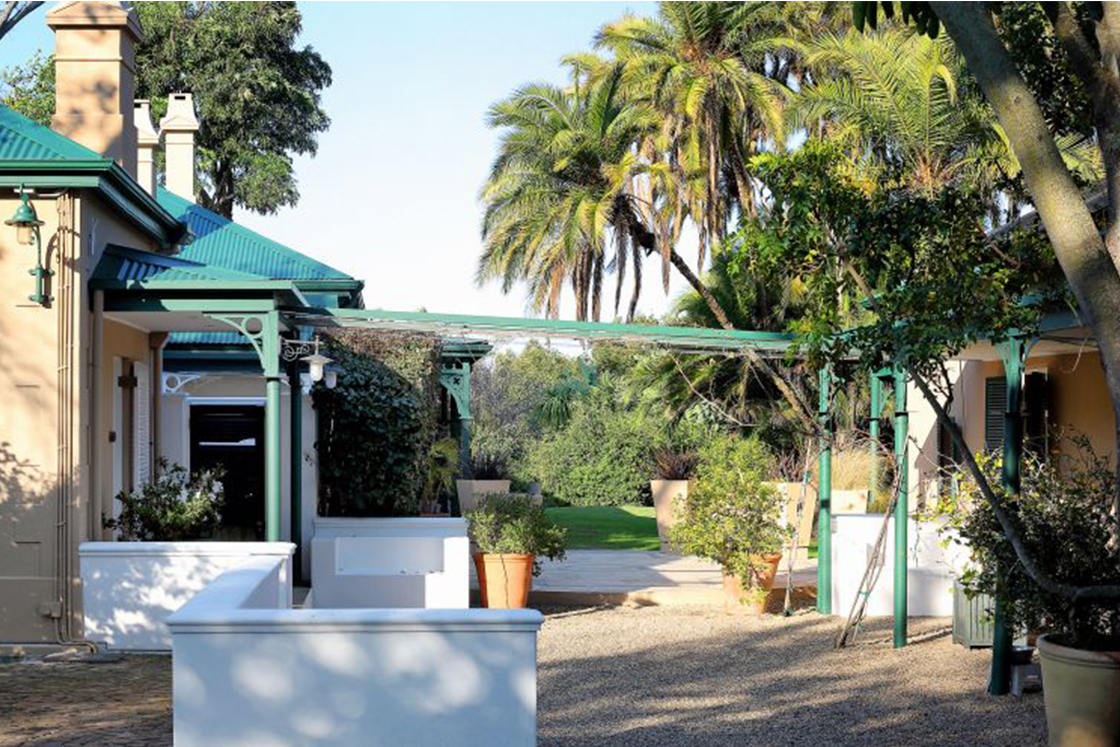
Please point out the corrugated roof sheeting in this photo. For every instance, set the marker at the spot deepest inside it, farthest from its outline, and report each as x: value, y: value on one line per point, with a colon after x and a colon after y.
x: 23, y: 139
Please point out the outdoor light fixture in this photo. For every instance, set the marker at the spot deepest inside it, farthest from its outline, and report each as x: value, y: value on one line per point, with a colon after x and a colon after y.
x: 291, y: 350
x: 27, y: 223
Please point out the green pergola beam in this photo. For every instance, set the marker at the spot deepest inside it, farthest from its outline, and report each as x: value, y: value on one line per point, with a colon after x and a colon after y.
x: 698, y: 338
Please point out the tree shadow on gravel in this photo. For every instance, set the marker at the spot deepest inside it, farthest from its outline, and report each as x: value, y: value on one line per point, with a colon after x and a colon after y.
x: 777, y: 681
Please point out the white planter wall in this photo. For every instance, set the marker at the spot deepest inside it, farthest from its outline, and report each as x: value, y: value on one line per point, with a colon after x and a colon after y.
x: 250, y: 671
x: 129, y: 588
x: 931, y: 568
x: 391, y: 563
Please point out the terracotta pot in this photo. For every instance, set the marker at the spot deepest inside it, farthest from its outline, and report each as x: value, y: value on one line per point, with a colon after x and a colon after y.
x: 504, y: 580
x: 750, y: 600
x: 667, y: 495
x: 1080, y: 689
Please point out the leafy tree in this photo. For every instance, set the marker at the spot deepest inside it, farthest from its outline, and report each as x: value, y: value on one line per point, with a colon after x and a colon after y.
x: 1089, y: 34
x: 14, y: 11
x: 257, y: 93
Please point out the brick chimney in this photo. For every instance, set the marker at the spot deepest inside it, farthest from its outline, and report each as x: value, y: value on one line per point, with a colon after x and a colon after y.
x: 147, y: 141
x: 95, y: 77
x: 178, y: 129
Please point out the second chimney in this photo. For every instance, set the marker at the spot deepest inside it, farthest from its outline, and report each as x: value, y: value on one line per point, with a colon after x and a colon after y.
x: 147, y: 141
x: 178, y: 129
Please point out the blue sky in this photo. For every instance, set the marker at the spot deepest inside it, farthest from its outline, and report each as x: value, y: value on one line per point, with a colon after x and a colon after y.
x: 398, y: 173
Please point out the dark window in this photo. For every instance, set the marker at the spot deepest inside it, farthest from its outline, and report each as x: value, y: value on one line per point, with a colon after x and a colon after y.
x: 995, y: 406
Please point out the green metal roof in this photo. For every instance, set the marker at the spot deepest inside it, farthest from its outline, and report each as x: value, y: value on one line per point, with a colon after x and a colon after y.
x: 24, y: 139
x: 120, y: 263
x: 220, y: 242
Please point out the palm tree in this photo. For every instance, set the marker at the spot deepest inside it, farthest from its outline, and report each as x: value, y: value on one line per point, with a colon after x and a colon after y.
x: 901, y: 101
x: 559, y: 202
x: 701, y: 66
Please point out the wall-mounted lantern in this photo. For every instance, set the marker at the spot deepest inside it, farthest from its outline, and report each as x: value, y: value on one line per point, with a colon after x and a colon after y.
x: 27, y: 224
x: 307, y: 351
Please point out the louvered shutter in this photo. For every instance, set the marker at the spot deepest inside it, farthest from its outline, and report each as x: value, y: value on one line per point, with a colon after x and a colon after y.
x: 142, y: 426
x: 995, y: 406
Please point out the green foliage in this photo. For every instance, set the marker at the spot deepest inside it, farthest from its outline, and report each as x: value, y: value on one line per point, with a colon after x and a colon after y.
x: 443, y: 466
x: 674, y: 464
x: 731, y: 516
x: 377, y: 425
x: 175, y: 507
x: 1064, y: 515
x: 507, y: 394
x: 922, y: 262
x: 489, y: 467
x: 514, y: 525
x: 258, y: 95
x: 29, y: 88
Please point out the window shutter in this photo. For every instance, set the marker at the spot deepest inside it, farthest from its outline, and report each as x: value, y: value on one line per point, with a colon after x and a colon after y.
x: 142, y: 425
x: 995, y: 406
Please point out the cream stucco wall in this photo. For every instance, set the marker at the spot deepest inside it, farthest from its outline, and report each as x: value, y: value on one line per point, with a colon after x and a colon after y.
x: 1078, y: 405
x: 212, y: 389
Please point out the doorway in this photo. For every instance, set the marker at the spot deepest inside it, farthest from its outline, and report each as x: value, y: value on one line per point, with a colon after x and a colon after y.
x: 232, y: 437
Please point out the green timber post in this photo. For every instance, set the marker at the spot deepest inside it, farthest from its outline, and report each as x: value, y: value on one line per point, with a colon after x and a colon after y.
x: 456, y: 379
x: 262, y: 330
x: 1014, y: 353
x: 296, y: 466
x: 824, y: 497
x: 902, y: 507
x: 873, y: 427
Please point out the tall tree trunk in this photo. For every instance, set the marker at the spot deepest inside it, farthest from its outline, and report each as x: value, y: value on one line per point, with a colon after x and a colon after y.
x: 1068, y: 222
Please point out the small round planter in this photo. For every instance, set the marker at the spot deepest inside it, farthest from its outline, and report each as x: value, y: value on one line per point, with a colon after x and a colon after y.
x: 752, y: 599
x: 504, y: 580
x: 1081, y: 689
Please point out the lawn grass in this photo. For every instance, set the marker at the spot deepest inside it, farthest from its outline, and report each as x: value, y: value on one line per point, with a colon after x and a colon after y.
x: 608, y: 527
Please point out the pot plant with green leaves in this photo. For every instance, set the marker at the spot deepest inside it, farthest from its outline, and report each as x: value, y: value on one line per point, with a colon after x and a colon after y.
x: 439, y: 479
x: 1064, y: 515
x: 489, y: 475
x: 174, y: 507
x: 734, y: 518
x: 674, y: 468
x: 511, y: 534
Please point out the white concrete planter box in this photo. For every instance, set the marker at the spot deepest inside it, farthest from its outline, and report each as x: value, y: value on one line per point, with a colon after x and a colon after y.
x: 471, y: 492
x: 931, y: 568
x: 248, y: 670
x: 391, y: 563
x: 129, y: 588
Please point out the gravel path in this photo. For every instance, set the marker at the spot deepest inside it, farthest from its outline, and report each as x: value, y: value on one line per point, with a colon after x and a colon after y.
x: 689, y: 676
x: 648, y: 677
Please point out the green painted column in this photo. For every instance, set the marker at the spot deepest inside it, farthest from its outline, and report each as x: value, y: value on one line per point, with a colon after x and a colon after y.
x: 824, y: 496
x: 873, y: 427
x: 296, y: 466
x: 1014, y: 356
x: 902, y: 507
x: 272, y: 474
x: 456, y: 379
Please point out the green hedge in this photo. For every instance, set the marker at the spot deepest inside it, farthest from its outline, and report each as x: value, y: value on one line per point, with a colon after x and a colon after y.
x: 377, y: 425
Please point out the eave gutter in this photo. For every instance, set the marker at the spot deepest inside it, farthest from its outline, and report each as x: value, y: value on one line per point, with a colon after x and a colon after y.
x: 110, y: 181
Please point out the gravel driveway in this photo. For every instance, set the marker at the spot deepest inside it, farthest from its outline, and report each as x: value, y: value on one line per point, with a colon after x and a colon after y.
x: 689, y: 676
x: 647, y: 677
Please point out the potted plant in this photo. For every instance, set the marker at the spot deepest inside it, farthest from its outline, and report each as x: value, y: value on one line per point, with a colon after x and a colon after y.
x: 511, y: 534
x: 439, y: 478
x: 733, y: 518
x: 489, y: 475
x: 1064, y: 517
x: 674, y: 469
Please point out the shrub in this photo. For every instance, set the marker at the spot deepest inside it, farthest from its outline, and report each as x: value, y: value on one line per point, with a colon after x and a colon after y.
x: 174, y: 507
x: 1065, y: 519
x: 731, y: 516
x: 377, y: 425
x: 600, y: 458
x: 514, y: 524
